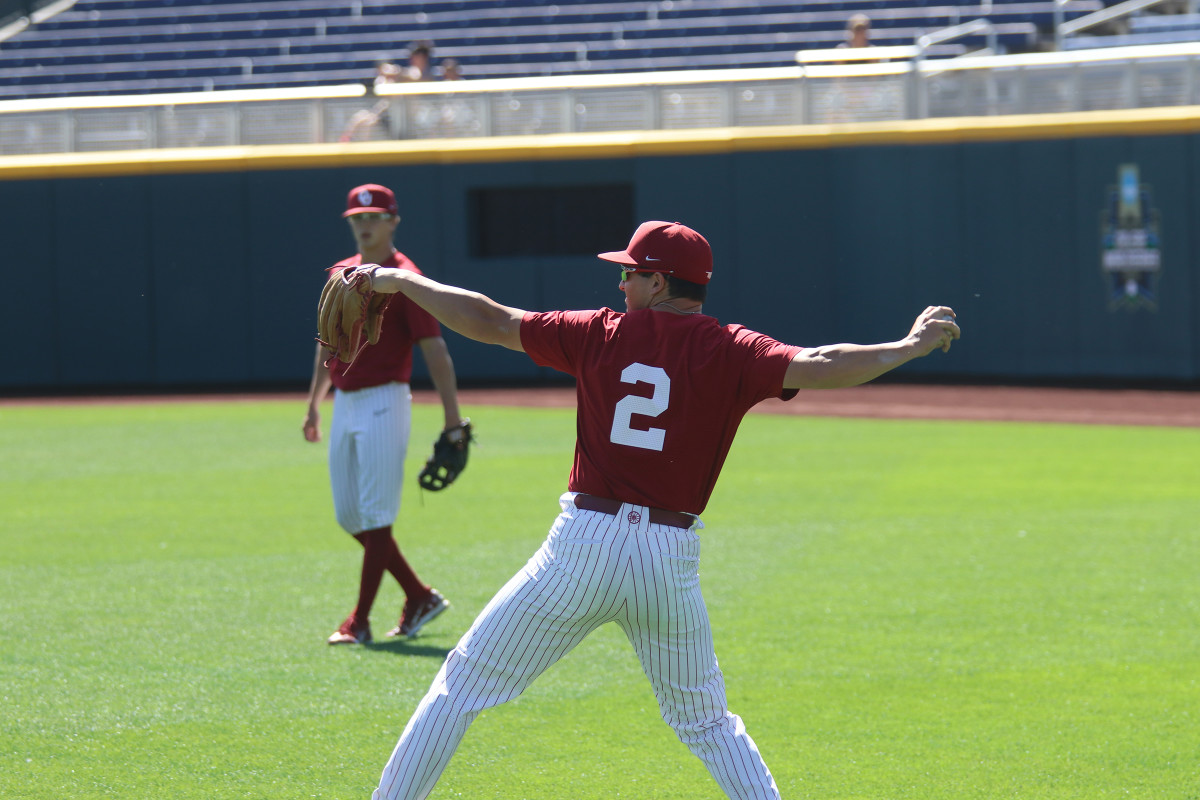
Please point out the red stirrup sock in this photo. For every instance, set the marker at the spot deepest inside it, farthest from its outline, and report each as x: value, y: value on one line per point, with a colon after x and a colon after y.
x: 402, y: 572
x: 375, y: 561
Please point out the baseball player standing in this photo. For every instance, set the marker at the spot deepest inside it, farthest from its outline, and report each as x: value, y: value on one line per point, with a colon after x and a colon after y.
x: 662, y: 389
x: 372, y: 407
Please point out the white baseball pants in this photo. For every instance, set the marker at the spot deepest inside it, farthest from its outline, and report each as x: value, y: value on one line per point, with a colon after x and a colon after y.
x: 593, y: 568
x: 368, y: 439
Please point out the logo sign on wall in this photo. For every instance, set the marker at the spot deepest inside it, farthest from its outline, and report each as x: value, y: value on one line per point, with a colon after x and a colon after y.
x: 1130, y: 252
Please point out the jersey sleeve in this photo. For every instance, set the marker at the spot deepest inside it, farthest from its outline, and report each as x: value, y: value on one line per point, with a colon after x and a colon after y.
x: 769, y: 361
x: 557, y: 338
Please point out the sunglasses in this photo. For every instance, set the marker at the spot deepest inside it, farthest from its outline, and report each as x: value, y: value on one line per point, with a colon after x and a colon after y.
x: 369, y: 216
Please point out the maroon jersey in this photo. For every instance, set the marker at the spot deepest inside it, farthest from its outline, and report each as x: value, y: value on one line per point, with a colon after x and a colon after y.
x: 390, y: 359
x: 660, y: 397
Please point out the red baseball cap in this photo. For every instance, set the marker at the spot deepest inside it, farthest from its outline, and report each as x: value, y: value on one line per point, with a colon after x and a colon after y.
x: 370, y: 197
x: 669, y: 247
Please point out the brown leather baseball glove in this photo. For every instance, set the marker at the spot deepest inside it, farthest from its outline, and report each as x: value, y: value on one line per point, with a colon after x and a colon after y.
x: 349, y: 314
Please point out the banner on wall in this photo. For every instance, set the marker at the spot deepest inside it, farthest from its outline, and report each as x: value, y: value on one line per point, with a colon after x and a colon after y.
x: 1130, y: 252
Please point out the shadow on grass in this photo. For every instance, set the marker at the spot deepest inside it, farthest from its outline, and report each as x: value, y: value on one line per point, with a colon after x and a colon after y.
x: 406, y: 647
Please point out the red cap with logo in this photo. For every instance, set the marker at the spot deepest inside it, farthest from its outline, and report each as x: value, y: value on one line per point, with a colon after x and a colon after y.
x: 669, y: 247
x: 370, y: 197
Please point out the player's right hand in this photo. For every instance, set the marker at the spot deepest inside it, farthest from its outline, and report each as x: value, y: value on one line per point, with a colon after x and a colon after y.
x: 935, y: 329
x: 312, y: 427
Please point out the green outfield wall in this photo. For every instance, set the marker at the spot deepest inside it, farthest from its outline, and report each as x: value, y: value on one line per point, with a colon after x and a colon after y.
x: 1067, y: 244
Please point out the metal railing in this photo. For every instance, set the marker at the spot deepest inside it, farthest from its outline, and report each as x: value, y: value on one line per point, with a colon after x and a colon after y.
x: 1064, y: 29
x: 806, y: 94
x: 975, y: 26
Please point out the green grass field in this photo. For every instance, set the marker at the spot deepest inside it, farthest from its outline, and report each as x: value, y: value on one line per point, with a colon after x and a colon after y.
x: 919, y: 610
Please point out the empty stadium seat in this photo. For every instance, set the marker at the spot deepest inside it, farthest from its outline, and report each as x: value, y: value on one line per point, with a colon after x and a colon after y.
x: 131, y: 46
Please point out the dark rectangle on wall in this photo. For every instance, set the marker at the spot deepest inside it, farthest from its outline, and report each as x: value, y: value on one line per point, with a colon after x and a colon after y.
x: 549, y: 220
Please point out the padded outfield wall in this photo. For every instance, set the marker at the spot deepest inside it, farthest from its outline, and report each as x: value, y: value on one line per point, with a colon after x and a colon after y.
x: 165, y: 269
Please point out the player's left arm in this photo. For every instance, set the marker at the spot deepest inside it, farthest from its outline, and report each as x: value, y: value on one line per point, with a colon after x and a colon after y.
x: 471, y: 314
x: 441, y: 372
x: 838, y: 365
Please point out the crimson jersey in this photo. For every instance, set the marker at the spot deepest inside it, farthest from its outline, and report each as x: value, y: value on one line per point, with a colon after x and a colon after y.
x: 404, y: 324
x: 660, y: 397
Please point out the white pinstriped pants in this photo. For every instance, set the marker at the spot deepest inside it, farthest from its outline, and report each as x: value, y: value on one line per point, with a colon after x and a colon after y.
x: 368, y: 439
x: 593, y: 568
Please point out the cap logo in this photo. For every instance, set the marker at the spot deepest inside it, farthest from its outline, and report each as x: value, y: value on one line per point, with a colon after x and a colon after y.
x: 364, y: 197
x: 652, y: 258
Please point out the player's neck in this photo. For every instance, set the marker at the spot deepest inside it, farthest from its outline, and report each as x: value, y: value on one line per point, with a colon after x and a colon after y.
x: 376, y: 255
x: 677, y: 306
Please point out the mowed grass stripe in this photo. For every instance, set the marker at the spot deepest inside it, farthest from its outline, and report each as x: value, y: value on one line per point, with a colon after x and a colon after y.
x: 902, y: 610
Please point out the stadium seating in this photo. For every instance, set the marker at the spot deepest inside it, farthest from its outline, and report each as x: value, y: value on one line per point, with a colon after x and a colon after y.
x: 1143, y: 29
x: 137, y: 46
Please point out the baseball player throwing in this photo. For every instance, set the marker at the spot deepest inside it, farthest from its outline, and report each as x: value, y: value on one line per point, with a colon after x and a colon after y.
x: 372, y: 409
x: 662, y: 389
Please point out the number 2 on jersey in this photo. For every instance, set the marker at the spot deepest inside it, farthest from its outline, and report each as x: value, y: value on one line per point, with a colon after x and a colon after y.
x: 622, y: 430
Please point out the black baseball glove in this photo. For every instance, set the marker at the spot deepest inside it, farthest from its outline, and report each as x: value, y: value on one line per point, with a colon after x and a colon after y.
x: 449, y: 457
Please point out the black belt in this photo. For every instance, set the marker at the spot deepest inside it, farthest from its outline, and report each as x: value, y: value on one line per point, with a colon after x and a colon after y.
x: 659, y: 516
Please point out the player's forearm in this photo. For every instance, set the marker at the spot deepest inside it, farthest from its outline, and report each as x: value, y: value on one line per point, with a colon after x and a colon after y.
x: 835, y: 366
x: 441, y: 372
x: 469, y: 313
x: 318, y: 387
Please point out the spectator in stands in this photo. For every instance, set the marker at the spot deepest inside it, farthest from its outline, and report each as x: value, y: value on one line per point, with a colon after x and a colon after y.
x: 420, y: 62
x: 386, y: 72
x: 450, y: 70
x: 859, y: 99
x: 362, y: 122
x: 456, y: 116
x: 858, y: 32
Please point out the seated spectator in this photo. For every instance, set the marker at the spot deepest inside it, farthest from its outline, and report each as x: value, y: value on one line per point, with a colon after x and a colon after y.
x: 363, y: 122
x: 859, y: 98
x: 420, y: 62
x: 450, y: 70
x: 386, y: 72
x: 858, y: 32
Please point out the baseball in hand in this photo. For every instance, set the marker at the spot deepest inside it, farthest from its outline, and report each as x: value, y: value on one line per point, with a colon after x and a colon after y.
x: 949, y: 335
